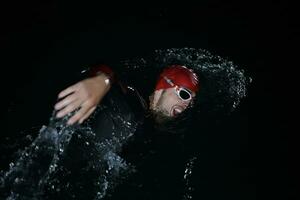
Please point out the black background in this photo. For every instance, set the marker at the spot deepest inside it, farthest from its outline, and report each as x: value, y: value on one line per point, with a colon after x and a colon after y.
x: 45, y: 43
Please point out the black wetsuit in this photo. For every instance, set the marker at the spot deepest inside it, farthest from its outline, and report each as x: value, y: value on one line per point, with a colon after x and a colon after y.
x: 156, y: 155
x: 92, y: 161
x: 124, y: 134
x: 124, y: 156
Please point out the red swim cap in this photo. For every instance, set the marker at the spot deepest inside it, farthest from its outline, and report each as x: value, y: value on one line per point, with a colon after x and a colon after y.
x: 180, y: 76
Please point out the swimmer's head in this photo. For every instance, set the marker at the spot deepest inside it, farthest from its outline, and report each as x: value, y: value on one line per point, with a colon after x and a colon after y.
x: 175, y: 91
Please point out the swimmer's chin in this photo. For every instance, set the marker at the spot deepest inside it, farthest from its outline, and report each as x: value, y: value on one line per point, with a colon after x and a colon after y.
x: 161, y: 117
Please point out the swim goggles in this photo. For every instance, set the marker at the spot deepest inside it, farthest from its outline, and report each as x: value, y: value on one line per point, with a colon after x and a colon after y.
x: 182, y: 93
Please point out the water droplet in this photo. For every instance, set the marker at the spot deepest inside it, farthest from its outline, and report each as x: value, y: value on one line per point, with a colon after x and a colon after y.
x: 11, y: 165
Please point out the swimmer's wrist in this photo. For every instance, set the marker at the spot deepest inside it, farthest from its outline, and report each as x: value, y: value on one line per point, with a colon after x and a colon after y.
x: 103, y: 69
x: 104, y: 78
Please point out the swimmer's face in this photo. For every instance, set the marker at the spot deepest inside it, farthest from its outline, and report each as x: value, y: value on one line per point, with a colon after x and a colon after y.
x: 168, y: 102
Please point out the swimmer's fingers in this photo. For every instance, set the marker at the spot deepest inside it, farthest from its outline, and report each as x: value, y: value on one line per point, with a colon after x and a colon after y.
x: 86, y: 115
x: 68, y: 91
x: 69, y: 108
x: 80, y: 113
x: 66, y: 101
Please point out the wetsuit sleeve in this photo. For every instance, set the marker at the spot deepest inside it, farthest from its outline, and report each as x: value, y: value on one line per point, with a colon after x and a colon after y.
x: 103, y: 68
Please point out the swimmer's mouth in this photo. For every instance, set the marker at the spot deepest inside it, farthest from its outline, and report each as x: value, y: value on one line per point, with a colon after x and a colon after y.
x: 176, y: 110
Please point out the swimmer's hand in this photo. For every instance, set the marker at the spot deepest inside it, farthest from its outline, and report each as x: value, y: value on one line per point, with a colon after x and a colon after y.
x: 85, y: 95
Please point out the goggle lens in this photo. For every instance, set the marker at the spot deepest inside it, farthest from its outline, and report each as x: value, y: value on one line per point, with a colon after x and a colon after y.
x: 184, y: 94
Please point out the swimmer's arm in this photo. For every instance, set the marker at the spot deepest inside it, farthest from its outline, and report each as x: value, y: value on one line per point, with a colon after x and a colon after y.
x: 85, y: 94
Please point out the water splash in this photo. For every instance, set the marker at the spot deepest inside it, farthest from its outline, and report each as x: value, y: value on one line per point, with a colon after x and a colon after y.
x: 37, y: 162
x: 42, y: 170
x: 188, y: 189
x: 222, y: 83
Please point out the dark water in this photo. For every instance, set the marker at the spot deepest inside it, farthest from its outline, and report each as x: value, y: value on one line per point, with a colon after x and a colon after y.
x: 37, y: 172
x: 241, y: 158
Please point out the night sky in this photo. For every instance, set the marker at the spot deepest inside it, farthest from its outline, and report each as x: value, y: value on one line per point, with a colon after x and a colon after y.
x: 44, y: 44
